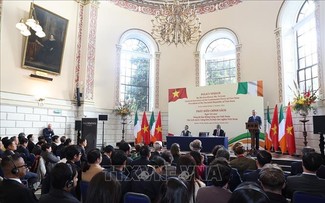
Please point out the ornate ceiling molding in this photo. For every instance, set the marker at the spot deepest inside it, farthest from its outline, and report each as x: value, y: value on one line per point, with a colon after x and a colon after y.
x: 152, y: 6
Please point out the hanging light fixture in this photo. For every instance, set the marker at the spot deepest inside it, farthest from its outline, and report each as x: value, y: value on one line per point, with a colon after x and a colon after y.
x: 176, y: 23
x: 33, y: 23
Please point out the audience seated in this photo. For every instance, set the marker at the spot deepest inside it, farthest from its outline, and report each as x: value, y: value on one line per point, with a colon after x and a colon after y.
x: 186, y: 170
x: 11, y: 188
x: 63, y: 180
x: 82, y: 145
x: 73, y: 155
x: 169, y: 170
x: 307, y: 181
x: 175, y: 150
x: 24, y: 153
x: 219, y: 174
x: 200, y: 168
x: 157, y: 147
x: 49, y: 158
x: 174, y: 190
x: 118, y: 165
x: 126, y: 147
x: 235, y: 178
x: 262, y: 157
x: 30, y: 145
x: 272, y: 181
x: 242, y: 163
x: 148, y: 179
x: 103, y: 188
x: 55, y: 143
x: 10, y: 146
x: 106, y: 156
x: 61, y: 146
x: 144, y: 157
x: 249, y: 192
x: 93, y: 167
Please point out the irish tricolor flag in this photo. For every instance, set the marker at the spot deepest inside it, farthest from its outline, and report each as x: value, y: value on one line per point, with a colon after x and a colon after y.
x: 254, y: 88
x: 137, y: 129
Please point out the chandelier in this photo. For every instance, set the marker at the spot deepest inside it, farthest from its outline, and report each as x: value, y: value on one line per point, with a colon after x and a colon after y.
x: 32, y: 22
x: 176, y: 23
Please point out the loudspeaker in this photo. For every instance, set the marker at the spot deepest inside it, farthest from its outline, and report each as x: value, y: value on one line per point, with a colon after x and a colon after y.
x: 77, y: 125
x: 78, y: 96
x: 319, y: 124
x: 103, y: 117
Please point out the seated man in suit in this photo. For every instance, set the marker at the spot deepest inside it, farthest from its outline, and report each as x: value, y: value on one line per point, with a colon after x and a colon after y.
x: 273, y: 181
x: 263, y: 157
x: 12, y: 189
x: 307, y: 181
x: 242, y: 163
x: 186, y: 132
x: 219, y: 131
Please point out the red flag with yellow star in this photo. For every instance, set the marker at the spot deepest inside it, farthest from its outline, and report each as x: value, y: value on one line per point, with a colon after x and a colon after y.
x: 274, y: 132
x: 177, y: 93
x: 289, y: 132
x: 158, y: 128
x: 145, y: 132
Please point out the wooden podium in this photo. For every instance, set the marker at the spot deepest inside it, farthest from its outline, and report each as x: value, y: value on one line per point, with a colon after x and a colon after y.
x: 253, y: 128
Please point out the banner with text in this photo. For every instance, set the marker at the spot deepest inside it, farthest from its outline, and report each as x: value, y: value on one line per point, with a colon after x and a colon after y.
x: 205, y: 107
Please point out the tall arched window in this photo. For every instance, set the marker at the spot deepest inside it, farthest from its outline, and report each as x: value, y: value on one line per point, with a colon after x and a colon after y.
x: 218, y: 57
x: 137, y: 69
x: 300, y: 52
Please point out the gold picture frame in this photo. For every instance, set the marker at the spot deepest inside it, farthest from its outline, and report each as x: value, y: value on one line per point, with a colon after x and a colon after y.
x: 45, y: 54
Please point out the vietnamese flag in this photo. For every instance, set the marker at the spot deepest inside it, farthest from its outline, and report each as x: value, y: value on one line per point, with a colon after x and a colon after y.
x: 158, y: 128
x: 145, y: 132
x: 274, y: 132
x: 289, y: 132
x: 175, y: 94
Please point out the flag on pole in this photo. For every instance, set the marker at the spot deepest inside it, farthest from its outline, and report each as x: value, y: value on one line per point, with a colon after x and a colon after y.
x: 175, y: 94
x: 158, y: 128
x: 254, y: 88
x: 274, y: 133
x: 145, y: 129
x: 289, y: 132
x: 152, y: 124
x: 268, y: 140
x: 137, y: 129
x: 282, y: 137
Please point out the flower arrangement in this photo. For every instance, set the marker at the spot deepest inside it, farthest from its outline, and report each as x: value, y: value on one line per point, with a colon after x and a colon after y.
x: 124, y: 109
x: 302, y: 101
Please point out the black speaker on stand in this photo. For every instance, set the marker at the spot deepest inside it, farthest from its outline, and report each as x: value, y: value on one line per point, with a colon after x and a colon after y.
x: 77, y: 127
x: 103, y: 118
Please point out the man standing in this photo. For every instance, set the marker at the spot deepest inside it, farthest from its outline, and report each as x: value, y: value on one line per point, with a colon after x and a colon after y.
x: 48, y: 133
x: 12, y: 189
x: 186, y: 132
x: 219, y: 131
x: 255, y: 136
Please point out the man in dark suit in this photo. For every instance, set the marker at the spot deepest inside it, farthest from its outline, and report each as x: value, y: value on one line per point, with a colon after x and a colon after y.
x: 186, y: 132
x: 307, y: 181
x: 219, y: 131
x: 263, y: 157
x: 48, y: 133
x: 11, y: 188
x: 257, y: 119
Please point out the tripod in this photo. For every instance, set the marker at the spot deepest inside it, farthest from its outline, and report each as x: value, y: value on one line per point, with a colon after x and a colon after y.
x: 103, y: 136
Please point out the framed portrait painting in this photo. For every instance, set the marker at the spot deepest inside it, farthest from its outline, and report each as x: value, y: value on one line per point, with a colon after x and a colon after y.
x: 46, y: 53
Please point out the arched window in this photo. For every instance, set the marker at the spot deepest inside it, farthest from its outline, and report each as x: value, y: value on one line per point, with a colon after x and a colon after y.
x: 299, y: 43
x: 137, y: 69
x: 218, y: 57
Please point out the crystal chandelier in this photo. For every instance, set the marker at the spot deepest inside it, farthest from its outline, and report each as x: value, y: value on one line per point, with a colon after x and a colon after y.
x: 176, y: 23
x: 32, y: 22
